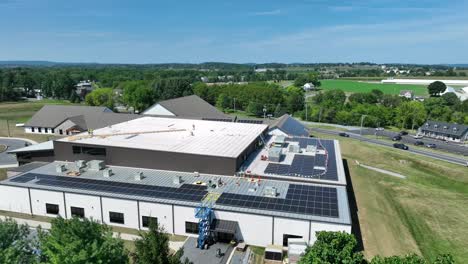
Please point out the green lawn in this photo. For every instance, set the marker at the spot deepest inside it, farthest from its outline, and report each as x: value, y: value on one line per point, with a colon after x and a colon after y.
x: 425, y: 213
x: 12, y: 113
x: 361, y: 87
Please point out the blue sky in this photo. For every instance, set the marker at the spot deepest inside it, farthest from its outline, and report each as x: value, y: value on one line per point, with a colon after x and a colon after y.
x: 158, y: 31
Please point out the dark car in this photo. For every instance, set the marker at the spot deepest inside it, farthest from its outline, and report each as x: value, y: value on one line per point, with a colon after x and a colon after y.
x: 400, y: 146
x: 343, y: 134
x: 431, y: 145
x: 403, y: 133
x: 396, y: 138
x: 419, y: 143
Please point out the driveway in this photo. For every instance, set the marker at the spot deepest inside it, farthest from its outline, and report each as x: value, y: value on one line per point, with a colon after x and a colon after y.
x: 9, y: 160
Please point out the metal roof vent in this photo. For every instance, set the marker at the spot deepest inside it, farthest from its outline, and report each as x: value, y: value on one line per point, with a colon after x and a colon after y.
x: 177, y: 180
x: 80, y: 165
x: 96, y: 165
x: 270, y: 191
x: 139, y: 176
x: 107, y: 173
x: 196, y: 174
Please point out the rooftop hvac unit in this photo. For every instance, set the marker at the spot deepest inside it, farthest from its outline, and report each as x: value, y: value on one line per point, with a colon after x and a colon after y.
x: 270, y: 191
x: 177, y: 180
x: 139, y: 176
x: 311, y: 148
x: 294, y: 148
x: 107, y: 173
x: 96, y: 165
x: 80, y: 164
x: 196, y: 174
x: 60, y: 168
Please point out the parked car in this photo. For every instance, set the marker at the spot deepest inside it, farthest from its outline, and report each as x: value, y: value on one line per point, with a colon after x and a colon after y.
x: 379, y: 129
x: 418, y: 136
x: 343, y: 134
x: 419, y: 143
x: 396, y: 138
x: 403, y: 133
x: 400, y: 146
x: 431, y: 145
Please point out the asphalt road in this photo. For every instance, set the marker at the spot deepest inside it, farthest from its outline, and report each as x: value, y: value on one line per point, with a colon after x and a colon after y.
x: 9, y: 160
x: 409, y: 140
x: 412, y: 149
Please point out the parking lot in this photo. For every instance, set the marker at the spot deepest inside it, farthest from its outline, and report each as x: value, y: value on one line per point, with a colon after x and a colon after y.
x: 9, y: 160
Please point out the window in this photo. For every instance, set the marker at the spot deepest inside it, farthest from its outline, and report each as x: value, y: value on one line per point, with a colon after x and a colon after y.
x: 191, y: 227
x: 52, y: 130
x: 32, y: 129
x: 60, y: 131
x: 286, y: 237
x: 147, y: 219
x: 89, y: 151
x: 52, y: 209
x: 116, y: 218
x: 77, y: 212
x: 46, y: 130
x: 270, y: 255
x: 39, y: 129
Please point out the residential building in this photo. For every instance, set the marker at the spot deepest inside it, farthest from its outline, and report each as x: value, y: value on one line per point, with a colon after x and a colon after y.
x: 444, y: 131
x: 83, y: 88
x: 308, y: 87
x: 408, y: 94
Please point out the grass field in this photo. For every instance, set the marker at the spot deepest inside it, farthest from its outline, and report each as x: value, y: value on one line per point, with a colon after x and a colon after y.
x: 362, y: 87
x: 12, y: 113
x: 425, y: 213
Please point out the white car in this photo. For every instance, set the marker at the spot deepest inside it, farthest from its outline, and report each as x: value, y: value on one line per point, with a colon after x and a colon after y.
x: 379, y: 129
x: 418, y: 136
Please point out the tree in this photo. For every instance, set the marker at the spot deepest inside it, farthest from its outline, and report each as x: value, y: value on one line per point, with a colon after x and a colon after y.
x: 153, y: 247
x: 255, y: 108
x: 307, y: 78
x: 436, y: 88
x: 81, y: 241
x: 412, y: 113
x: 223, y: 102
x: 15, y: 247
x: 138, y: 94
x: 333, y: 247
x: 101, y: 97
x: 294, y: 99
x: 451, y: 99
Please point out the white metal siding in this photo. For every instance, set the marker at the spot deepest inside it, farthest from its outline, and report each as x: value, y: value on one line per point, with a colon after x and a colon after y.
x: 91, y: 205
x: 158, y: 110
x: 128, y: 208
x: 253, y: 229
x: 290, y: 227
x: 315, y: 227
x: 39, y: 198
x: 182, y: 214
x: 14, y: 199
x: 162, y: 211
x: 277, y: 132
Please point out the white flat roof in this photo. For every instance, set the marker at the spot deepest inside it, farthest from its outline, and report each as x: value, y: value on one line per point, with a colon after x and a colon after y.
x: 202, y: 137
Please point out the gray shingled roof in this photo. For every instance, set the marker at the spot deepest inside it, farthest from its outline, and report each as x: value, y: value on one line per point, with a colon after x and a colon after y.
x: 445, y: 128
x: 190, y: 106
x: 290, y: 126
x: 86, y: 117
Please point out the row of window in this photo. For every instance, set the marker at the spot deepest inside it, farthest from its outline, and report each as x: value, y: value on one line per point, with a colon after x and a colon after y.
x: 46, y: 130
x: 89, y: 151
x: 114, y: 217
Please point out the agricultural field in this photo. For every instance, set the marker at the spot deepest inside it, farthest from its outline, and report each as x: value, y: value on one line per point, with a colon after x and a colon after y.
x: 350, y: 86
x: 425, y: 213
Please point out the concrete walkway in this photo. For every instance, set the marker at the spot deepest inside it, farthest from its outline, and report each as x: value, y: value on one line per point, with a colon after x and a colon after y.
x: 394, y: 174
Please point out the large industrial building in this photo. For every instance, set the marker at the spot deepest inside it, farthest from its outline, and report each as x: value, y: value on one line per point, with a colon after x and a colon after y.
x: 214, y: 180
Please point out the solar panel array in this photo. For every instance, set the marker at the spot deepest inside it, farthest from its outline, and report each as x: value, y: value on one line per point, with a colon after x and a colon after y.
x: 186, y: 192
x: 250, y: 121
x: 217, y: 119
x: 300, y: 199
x: 303, y: 165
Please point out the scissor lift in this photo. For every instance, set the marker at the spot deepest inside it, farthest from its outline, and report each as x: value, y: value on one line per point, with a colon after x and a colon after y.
x: 204, y: 212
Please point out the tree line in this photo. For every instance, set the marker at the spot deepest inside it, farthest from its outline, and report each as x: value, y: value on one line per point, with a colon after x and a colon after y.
x: 76, y: 240
x: 376, y: 109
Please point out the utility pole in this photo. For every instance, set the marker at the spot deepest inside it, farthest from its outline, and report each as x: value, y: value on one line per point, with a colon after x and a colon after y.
x: 8, y: 127
x: 307, y: 116
x: 362, y: 121
x: 264, y: 111
x: 320, y: 114
x: 234, y: 104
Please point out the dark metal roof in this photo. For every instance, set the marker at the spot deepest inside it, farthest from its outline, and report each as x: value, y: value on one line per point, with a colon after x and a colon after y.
x: 191, y: 106
x: 85, y: 117
x: 445, y: 128
x: 290, y: 126
x: 224, y: 226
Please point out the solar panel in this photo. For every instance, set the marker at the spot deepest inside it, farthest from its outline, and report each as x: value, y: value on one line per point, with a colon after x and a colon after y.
x: 218, y: 119
x: 250, y: 121
x: 300, y: 199
x: 186, y: 192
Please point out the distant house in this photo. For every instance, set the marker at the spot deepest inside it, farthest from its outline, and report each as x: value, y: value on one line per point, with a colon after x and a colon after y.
x: 83, y: 88
x: 190, y: 106
x: 308, y: 87
x: 286, y: 125
x: 204, y: 79
x: 68, y: 120
x: 406, y: 94
x: 444, y: 131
